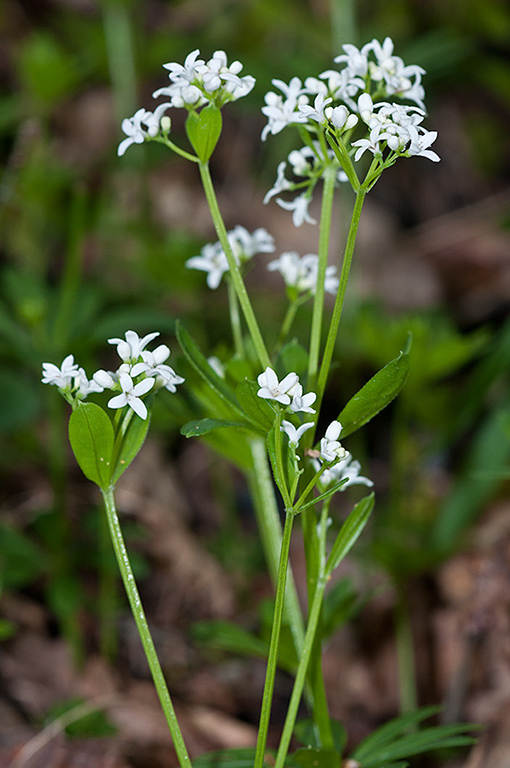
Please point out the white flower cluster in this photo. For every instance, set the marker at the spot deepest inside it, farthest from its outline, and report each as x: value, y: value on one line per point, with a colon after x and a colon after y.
x: 307, y: 163
x: 300, y: 273
x: 244, y: 246
x: 345, y: 468
x: 373, y: 68
x: 138, y: 363
x: 192, y: 85
x: 288, y: 391
x: 359, y: 93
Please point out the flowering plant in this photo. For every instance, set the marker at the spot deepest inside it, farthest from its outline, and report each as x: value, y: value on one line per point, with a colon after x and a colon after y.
x: 266, y: 402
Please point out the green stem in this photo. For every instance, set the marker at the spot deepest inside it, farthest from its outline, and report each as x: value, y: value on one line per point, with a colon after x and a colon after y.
x: 339, y: 302
x: 235, y: 320
x: 323, y: 251
x: 235, y: 273
x: 299, y: 683
x: 287, y: 324
x: 272, y: 661
x: 343, y: 23
x: 143, y: 627
x: 270, y: 527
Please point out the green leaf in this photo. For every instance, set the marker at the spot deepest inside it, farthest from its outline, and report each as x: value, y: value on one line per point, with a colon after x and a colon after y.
x: 375, y: 395
x: 204, y: 129
x: 92, y: 440
x: 349, y: 532
x: 131, y: 444
x: 229, y: 758
x: 199, y: 362
x: 390, y: 732
x: 310, y: 757
x: 255, y: 408
x: 203, y: 426
x: 276, y: 465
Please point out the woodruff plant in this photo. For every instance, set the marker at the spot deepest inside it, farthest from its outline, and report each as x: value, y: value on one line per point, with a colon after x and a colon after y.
x: 371, y: 104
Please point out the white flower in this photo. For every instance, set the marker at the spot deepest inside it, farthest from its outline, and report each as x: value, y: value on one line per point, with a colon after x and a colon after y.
x: 301, y: 272
x: 299, y: 208
x: 83, y: 387
x: 152, y: 364
x: 218, y: 74
x: 62, y: 377
x: 294, y: 434
x: 131, y: 394
x: 134, y: 128
x: 130, y: 349
x: 331, y: 448
x: 317, y: 111
x: 104, y: 379
x: 282, y: 112
x: 244, y: 246
x: 420, y: 143
x: 272, y: 389
x: 212, y: 260
x: 190, y: 71
x: 347, y: 470
x: 301, y: 403
x: 281, y: 185
x: 342, y: 119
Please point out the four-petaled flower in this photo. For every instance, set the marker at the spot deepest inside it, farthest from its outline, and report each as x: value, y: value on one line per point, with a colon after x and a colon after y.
x: 272, y: 389
x: 331, y: 448
x: 61, y: 377
x: 294, y: 434
x: 301, y: 403
x: 132, y: 346
x: 131, y: 394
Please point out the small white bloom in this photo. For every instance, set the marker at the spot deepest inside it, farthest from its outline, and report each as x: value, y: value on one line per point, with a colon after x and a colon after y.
x: 130, y: 348
x: 104, y: 379
x: 299, y: 208
x: 341, y: 118
x: 272, y: 389
x: 282, y: 112
x: 317, y: 111
x: 301, y: 272
x: 62, y: 377
x: 301, y: 403
x: 212, y: 260
x: 152, y: 364
x: 142, y: 125
x: 131, y: 394
x: 83, y: 387
x: 346, y: 469
x: 331, y: 448
x: 294, y: 434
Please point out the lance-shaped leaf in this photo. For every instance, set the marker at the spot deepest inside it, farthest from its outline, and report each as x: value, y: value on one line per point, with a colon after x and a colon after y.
x: 200, y: 427
x: 131, y: 444
x: 199, y: 362
x: 277, y: 464
x: 204, y: 129
x: 375, y: 395
x: 92, y: 439
x: 349, y: 532
x: 255, y: 408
